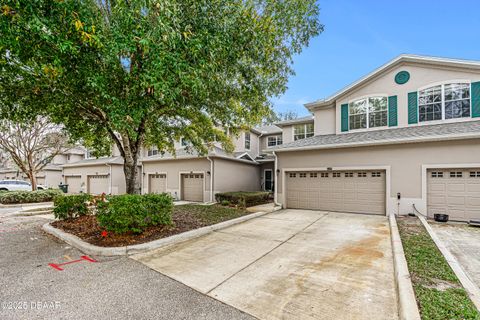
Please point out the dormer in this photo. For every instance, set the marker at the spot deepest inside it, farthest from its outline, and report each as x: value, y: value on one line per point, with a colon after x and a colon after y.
x: 297, y: 129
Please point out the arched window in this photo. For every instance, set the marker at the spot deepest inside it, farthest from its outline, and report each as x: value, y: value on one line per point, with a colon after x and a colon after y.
x: 445, y: 101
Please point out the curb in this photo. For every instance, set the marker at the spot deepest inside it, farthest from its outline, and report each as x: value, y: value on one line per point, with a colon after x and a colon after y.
x: 143, y: 247
x: 407, y: 303
x: 471, y: 288
x: 26, y: 205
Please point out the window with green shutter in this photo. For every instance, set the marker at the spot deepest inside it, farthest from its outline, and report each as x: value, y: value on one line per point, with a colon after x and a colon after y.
x: 344, y: 117
x: 392, y: 111
x: 475, y: 99
x: 412, y: 107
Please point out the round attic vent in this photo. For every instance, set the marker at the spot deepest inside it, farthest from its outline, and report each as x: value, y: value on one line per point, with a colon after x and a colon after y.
x: 402, y: 77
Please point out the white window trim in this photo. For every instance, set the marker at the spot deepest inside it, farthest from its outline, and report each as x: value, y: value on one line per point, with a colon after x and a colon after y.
x: 305, y: 127
x: 278, y: 136
x: 249, y: 141
x: 442, y: 84
x: 368, y: 128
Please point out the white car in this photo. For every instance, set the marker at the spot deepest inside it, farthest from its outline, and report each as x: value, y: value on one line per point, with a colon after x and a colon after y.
x: 17, y: 185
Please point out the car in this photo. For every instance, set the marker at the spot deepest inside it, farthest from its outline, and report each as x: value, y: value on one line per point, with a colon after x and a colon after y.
x: 15, y: 185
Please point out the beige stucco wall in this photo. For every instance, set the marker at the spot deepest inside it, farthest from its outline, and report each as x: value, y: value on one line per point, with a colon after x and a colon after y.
x: 117, y: 177
x: 52, y: 178
x: 404, y: 162
x: 239, y: 143
x: 420, y: 76
x: 263, y: 141
x: 324, y: 121
x: 287, y: 134
x: 235, y: 176
x: 173, y: 169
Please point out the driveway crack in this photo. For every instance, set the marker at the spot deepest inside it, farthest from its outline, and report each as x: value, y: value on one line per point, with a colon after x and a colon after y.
x: 267, y: 253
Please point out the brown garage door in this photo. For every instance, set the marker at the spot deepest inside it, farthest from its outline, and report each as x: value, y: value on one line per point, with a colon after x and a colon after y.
x: 455, y: 192
x: 344, y: 191
x: 157, y: 183
x: 74, y: 184
x: 98, y: 184
x: 192, y: 187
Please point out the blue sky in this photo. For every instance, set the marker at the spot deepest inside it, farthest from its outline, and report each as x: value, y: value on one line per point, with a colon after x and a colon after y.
x: 361, y: 35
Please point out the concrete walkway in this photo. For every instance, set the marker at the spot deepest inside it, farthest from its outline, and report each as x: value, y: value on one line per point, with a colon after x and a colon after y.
x: 464, y: 243
x: 291, y: 264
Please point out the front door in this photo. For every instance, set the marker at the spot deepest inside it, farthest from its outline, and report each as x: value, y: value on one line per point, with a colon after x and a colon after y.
x: 268, y: 180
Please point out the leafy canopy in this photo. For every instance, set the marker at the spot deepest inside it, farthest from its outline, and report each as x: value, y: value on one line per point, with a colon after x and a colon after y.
x: 147, y: 72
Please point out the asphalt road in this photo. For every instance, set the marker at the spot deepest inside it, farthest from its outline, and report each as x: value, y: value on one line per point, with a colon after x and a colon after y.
x: 111, y: 288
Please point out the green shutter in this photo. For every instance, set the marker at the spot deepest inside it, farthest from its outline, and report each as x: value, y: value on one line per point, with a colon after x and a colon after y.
x: 344, y: 117
x: 475, y: 99
x: 412, y: 107
x: 392, y: 111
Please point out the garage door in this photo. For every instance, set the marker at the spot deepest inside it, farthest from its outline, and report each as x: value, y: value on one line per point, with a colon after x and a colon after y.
x: 455, y: 192
x: 157, y: 183
x: 74, y: 184
x: 192, y: 187
x: 344, y: 191
x: 41, y: 180
x: 98, y: 184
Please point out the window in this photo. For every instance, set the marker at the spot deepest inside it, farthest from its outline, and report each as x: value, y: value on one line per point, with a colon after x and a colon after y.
x: 313, y: 175
x: 183, y: 142
x: 292, y: 175
x: 362, y: 174
x: 68, y: 157
x: 152, y: 152
x: 348, y: 174
x: 474, y: 174
x: 88, y: 154
x: 302, y: 175
x: 446, y: 101
x: 437, y: 174
x: 336, y: 174
x: 247, y: 140
x: 456, y: 174
x: 302, y: 131
x: 324, y: 175
x: 368, y: 113
x: 273, y: 141
x: 376, y: 174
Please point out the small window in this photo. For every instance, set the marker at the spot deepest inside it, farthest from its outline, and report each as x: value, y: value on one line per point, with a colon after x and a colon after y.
x: 313, y: 175
x: 152, y: 152
x: 474, y: 174
x: 348, y: 174
x: 437, y: 174
x: 362, y: 174
x: 303, y: 175
x: 292, y: 175
x: 302, y: 131
x: 324, y: 175
x: 376, y: 174
x: 456, y: 174
x: 247, y: 140
x: 183, y: 142
x: 273, y: 141
x: 336, y: 175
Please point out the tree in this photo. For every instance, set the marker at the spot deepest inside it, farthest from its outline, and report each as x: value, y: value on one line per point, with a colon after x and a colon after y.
x: 31, y: 145
x: 149, y: 72
x: 275, y: 117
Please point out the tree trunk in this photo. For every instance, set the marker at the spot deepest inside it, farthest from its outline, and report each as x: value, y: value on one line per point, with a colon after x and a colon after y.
x: 130, y: 170
x: 33, y: 179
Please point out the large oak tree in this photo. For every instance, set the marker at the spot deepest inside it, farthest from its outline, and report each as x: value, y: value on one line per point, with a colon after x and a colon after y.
x: 147, y: 72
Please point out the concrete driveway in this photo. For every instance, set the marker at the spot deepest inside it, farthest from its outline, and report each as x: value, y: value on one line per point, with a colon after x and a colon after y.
x: 291, y: 264
x: 464, y: 243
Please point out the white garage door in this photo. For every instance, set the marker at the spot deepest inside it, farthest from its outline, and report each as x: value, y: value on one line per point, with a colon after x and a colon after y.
x: 455, y: 192
x: 41, y: 180
x: 344, y: 191
x: 98, y: 184
x: 74, y: 184
x: 157, y: 183
x: 192, y: 187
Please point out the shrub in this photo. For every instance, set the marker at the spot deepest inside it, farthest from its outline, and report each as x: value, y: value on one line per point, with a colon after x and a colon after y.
x: 132, y: 212
x: 225, y: 203
x: 71, y: 206
x: 14, y: 197
x: 243, y: 199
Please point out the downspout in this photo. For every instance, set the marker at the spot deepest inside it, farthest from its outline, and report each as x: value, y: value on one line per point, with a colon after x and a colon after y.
x: 211, y: 178
x: 275, y: 181
x: 141, y: 177
x: 110, y: 178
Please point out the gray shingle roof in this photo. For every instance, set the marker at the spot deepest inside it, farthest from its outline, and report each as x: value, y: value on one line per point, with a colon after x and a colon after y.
x: 435, y: 132
x: 298, y: 120
x: 88, y: 162
x: 270, y: 129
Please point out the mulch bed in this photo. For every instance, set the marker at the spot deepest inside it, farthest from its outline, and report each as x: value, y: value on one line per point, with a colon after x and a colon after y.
x: 185, y: 218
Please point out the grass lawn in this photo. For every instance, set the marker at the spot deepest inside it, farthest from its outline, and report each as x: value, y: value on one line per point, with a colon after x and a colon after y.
x: 185, y: 218
x: 438, y: 291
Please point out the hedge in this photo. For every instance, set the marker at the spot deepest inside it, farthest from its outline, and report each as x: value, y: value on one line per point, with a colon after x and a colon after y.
x: 71, y: 206
x: 17, y: 197
x: 242, y: 198
x: 134, y: 213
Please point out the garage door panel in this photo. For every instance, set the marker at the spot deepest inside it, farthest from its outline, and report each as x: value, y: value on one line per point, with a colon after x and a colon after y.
x: 157, y: 183
x: 351, y: 191
x: 459, y: 196
x: 74, y: 184
x: 193, y: 185
x: 98, y: 184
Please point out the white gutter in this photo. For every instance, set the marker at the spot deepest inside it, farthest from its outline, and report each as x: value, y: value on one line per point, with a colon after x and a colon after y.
x: 141, y: 177
x: 275, y: 180
x: 109, y: 178
x: 211, y: 178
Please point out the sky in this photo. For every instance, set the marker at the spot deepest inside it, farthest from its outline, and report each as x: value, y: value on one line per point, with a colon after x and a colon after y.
x: 362, y: 35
